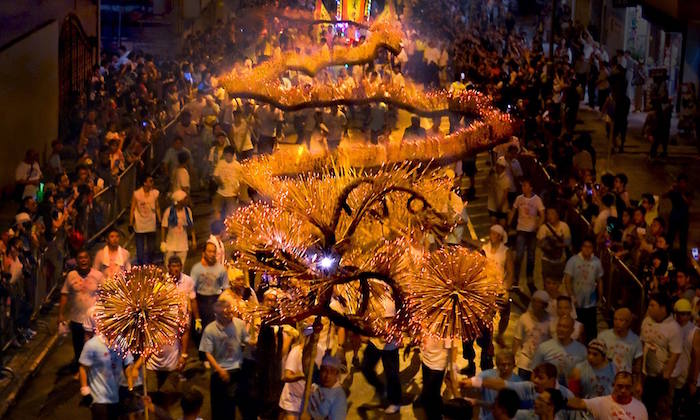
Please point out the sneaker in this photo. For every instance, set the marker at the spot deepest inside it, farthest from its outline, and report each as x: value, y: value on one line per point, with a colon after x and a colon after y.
x: 392, y: 409
x: 30, y: 332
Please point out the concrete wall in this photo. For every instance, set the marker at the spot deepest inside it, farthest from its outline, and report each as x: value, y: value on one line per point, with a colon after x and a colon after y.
x: 17, y: 17
x: 614, y: 28
x: 28, y: 97
x: 29, y: 74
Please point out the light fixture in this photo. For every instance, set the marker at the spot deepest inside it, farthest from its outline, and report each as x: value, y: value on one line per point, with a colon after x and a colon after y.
x: 327, y: 263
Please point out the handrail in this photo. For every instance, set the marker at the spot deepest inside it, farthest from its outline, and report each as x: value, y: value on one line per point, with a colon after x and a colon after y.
x: 127, y: 171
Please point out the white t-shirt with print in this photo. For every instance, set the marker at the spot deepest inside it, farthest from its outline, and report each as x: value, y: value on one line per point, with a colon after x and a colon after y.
x: 435, y: 352
x: 230, y: 175
x: 531, y: 334
x: 176, y: 238
x: 683, y: 364
x: 660, y: 339
x: 145, y: 210
x: 181, y: 179
x: 604, y: 408
x: 528, y: 211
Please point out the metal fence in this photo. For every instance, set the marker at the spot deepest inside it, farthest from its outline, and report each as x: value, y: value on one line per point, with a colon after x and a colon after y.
x: 621, y: 286
x: 111, y: 204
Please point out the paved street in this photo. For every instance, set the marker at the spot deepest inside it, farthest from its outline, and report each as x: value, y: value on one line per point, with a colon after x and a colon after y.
x: 53, y: 395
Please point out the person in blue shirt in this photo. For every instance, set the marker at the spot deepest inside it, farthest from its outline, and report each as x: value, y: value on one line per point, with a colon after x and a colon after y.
x: 505, y: 363
x: 583, y: 278
x: 562, y: 351
x: 328, y: 400
x: 544, y: 377
x: 100, y: 372
x: 222, y: 343
x: 595, y: 376
x: 210, y: 279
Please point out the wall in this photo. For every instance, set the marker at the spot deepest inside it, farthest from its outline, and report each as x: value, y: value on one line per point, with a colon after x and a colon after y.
x: 29, y: 73
x: 582, y: 12
x: 28, y: 97
x: 17, y: 17
x: 614, y: 28
x: 691, y: 62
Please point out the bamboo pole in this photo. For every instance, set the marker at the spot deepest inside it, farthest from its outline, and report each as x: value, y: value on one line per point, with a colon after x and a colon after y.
x: 310, y: 364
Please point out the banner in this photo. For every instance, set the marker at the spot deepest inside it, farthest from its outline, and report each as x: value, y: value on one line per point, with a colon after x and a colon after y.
x: 355, y: 10
x: 320, y: 12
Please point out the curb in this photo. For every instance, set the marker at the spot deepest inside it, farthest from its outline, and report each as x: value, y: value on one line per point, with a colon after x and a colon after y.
x: 21, y: 382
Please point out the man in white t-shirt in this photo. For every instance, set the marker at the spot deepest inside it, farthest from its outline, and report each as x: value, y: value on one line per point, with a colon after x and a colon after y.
x: 227, y: 175
x: 435, y: 354
x: 113, y: 258
x: 176, y: 224
x: 143, y: 216
x: 662, y: 340
x: 181, y: 174
x: 163, y: 366
x: 294, y: 379
x: 553, y: 239
x: 682, y: 376
x: 619, y: 405
x: 337, y: 122
x: 28, y: 173
x: 268, y: 123
x: 79, y: 293
x: 531, y: 329
x: 530, y: 211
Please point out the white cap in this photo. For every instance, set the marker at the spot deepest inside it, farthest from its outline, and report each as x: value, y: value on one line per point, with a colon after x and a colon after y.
x: 499, y: 229
x: 542, y: 296
x: 22, y: 218
x: 178, y: 196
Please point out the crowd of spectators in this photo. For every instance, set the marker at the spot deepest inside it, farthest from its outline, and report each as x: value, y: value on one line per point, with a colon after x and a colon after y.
x: 558, y: 360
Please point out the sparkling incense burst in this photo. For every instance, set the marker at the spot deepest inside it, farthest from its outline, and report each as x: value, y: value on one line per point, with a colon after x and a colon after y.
x: 453, y: 294
x: 140, y: 310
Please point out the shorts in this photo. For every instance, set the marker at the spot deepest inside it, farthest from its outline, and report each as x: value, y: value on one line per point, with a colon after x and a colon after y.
x: 498, y: 214
x: 162, y: 381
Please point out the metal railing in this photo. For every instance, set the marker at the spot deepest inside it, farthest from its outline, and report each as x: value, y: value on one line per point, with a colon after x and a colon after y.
x: 109, y: 205
x: 621, y: 286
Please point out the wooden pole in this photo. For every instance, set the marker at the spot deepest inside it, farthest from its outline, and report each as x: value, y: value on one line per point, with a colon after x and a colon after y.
x: 145, y: 389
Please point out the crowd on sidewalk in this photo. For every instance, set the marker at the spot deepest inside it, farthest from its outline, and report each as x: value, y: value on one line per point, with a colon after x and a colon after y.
x: 558, y: 364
